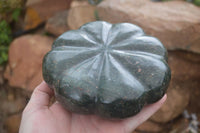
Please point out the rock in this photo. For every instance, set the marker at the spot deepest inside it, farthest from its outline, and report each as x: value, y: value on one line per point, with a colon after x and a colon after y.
x: 2, y: 128
x: 149, y: 126
x: 13, y: 106
x: 25, y: 60
x: 80, y: 15
x: 57, y: 24
x: 12, y: 123
x: 39, y: 11
x: 185, y: 68
x: 176, y: 102
x: 175, y: 23
x: 76, y: 3
x: 180, y: 126
x: 32, y: 2
x: 1, y: 75
x: 192, y: 81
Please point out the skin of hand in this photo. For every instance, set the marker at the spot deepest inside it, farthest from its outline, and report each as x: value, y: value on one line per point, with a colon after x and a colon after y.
x: 39, y: 117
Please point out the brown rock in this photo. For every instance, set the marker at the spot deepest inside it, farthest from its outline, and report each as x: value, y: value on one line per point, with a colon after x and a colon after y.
x: 180, y: 126
x: 25, y: 60
x: 32, y: 19
x: 191, y: 79
x: 57, y: 24
x: 1, y: 75
x: 32, y: 2
x: 12, y: 123
x: 185, y: 68
x: 175, y: 23
x: 176, y: 102
x: 80, y: 15
x: 39, y: 11
x: 13, y: 106
x: 76, y: 3
x: 149, y: 126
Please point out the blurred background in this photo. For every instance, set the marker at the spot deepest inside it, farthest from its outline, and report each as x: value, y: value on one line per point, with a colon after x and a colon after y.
x: 28, y: 28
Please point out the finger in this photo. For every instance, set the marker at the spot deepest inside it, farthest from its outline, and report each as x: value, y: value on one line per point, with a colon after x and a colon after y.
x: 146, y: 112
x: 57, y: 107
x: 40, y: 96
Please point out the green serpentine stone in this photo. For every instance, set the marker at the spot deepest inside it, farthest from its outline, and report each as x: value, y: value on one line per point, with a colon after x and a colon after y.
x: 111, y: 70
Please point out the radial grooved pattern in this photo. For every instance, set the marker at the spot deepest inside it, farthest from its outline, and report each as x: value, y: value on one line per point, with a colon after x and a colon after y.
x: 108, y: 70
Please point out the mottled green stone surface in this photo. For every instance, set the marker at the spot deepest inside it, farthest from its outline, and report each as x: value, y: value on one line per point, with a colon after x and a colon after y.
x: 111, y: 70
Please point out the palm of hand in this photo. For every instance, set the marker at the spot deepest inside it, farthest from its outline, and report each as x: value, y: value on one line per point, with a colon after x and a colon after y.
x: 38, y: 117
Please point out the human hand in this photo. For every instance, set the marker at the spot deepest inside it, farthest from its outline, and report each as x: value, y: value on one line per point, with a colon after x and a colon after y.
x: 39, y: 117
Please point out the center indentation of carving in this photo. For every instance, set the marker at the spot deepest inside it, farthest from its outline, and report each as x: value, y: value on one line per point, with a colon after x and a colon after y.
x: 105, y: 49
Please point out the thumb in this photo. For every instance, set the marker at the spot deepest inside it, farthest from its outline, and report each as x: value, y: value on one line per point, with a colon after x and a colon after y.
x: 40, y: 97
x: 132, y: 122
